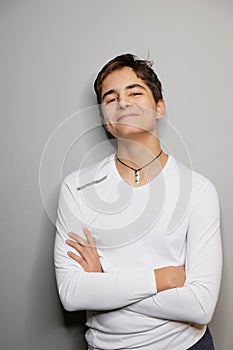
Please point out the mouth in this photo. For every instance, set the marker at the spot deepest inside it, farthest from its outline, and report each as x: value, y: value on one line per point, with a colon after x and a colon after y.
x: 128, y: 115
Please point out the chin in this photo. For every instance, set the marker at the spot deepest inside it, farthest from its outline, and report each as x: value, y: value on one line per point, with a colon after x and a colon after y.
x: 130, y: 132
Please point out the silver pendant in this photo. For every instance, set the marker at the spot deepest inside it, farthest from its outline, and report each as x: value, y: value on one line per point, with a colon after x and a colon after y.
x: 136, y: 177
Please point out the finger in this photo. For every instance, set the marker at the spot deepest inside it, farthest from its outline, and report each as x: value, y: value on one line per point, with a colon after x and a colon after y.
x: 77, y: 258
x: 77, y: 238
x: 85, y: 252
x: 89, y: 237
x: 82, y: 250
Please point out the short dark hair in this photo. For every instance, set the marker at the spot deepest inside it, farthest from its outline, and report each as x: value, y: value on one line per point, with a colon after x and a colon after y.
x: 142, y: 68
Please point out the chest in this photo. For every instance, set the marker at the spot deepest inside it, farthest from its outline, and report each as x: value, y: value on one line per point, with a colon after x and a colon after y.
x: 137, y: 229
x: 155, y: 248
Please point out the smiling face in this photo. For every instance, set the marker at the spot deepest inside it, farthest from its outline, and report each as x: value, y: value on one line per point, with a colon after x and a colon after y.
x: 128, y: 105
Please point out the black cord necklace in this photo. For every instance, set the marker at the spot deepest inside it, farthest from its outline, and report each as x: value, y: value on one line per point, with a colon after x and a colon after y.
x: 136, y: 171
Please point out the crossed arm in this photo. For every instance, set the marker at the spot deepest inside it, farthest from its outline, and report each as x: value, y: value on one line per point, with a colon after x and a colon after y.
x: 176, y: 293
x: 83, y: 285
x: 165, y: 278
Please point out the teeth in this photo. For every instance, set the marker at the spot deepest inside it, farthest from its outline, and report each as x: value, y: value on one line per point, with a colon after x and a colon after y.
x: 136, y: 177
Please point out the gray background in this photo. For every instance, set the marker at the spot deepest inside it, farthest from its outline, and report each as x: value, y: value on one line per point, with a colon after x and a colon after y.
x: 50, y: 53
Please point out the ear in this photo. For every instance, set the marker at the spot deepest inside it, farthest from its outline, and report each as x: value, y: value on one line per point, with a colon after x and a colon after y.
x: 105, y: 125
x: 103, y: 122
x: 160, y: 109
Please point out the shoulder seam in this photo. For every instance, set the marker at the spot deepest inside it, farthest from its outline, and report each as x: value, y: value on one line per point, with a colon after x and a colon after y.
x: 79, y: 188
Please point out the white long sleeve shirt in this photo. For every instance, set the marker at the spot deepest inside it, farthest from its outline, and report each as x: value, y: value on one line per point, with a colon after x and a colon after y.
x: 171, y: 221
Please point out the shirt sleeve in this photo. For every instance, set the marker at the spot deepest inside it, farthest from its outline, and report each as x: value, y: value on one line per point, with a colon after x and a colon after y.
x: 80, y: 290
x: 196, y: 301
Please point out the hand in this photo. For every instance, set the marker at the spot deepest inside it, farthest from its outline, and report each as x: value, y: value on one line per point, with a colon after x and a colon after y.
x: 170, y: 277
x: 89, y: 258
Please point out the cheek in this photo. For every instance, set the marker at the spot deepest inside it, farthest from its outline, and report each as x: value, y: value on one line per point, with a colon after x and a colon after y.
x: 109, y: 113
x: 150, y: 104
x: 147, y: 104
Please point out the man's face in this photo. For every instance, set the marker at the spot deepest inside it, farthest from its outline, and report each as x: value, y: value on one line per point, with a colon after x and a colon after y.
x: 128, y: 104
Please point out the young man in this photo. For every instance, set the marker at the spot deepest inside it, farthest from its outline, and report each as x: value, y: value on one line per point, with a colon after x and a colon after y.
x: 148, y: 266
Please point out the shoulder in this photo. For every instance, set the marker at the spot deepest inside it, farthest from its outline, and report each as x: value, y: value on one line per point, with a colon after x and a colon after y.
x: 183, y: 171
x: 85, y: 177
x: 198, y: 184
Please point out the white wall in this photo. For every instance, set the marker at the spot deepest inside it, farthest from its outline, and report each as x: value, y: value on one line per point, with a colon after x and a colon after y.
x: 50, y: 53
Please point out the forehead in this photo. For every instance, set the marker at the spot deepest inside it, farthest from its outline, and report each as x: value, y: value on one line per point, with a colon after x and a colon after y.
x: 121, y: 78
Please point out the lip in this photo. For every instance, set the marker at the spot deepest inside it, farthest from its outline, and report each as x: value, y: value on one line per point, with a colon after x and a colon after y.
x: 128, y: 115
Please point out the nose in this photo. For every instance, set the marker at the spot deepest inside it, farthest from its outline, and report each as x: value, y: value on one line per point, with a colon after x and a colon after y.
x: 123, y: 102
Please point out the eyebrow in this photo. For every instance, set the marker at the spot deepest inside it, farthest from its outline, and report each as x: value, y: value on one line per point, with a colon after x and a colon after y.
x: 129, y: 87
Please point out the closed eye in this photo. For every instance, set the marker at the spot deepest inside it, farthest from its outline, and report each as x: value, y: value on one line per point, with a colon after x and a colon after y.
x: 111, y: 100
x: 136, y: 93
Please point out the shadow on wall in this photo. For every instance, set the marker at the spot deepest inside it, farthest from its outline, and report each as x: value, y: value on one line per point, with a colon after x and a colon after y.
x: 49, y: 326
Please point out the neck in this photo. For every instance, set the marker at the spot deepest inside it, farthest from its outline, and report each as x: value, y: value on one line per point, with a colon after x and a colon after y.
x: 137, y: 153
